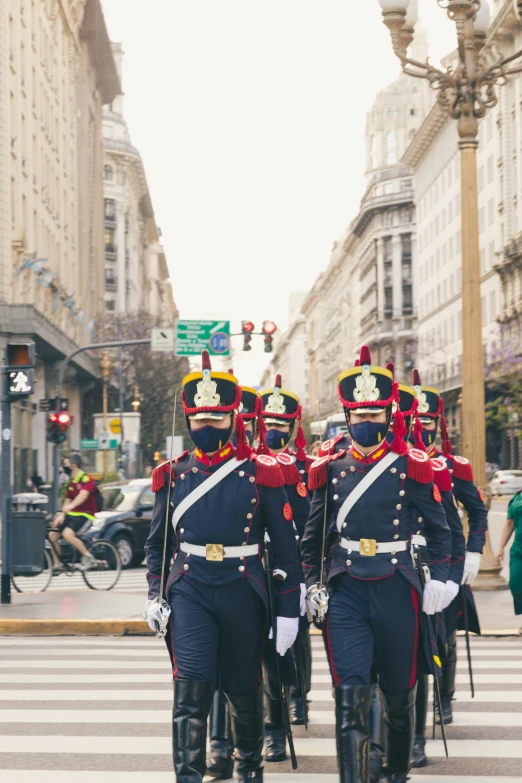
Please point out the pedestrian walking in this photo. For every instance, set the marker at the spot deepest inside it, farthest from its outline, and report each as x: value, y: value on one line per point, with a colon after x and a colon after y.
x: 213, y: 506
x: 513, y: 525
x: 372, y: 505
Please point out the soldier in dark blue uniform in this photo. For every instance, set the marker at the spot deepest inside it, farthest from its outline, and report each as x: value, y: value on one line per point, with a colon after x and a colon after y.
x: 213, y: 506
x: 466, y: 565
x: 220, y: 763
x: 281, y: 411
x: 380, y: 503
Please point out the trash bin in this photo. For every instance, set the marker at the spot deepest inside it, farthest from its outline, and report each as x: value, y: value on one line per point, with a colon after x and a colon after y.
x: 28, y: 527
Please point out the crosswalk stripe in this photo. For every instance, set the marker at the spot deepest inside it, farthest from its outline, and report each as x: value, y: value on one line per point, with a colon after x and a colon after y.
x: 321, y: 666
x: 57, y: 776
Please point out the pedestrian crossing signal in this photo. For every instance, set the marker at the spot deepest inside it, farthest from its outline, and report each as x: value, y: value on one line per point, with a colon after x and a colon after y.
x: 19, y: 370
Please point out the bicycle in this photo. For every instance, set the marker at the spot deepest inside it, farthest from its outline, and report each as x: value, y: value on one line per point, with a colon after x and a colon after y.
x: 102, y: 575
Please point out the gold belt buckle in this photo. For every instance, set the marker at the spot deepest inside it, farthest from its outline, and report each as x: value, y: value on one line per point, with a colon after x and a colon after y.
x: 368, y: 547
x: 215, y: 552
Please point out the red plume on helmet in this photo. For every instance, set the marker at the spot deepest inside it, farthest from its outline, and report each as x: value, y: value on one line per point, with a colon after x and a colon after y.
x: 357, y: 363
x: 415, y: 378
x: 278, y: 384
x: 205, y: 360
x: 391, y: 367
x: 365, y: 357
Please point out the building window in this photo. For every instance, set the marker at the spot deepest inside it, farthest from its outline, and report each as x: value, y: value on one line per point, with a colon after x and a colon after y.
x: 110, y: 209
x: 110, y: 240
x: 390, y: 112
x: 108, y: 173
x: 413, y: 111
x: 391, y: 148
x: 110, y: 305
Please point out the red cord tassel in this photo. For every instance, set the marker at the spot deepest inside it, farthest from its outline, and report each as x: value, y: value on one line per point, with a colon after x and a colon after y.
x: 300, y: 440
x: 398, y: 446
x: 261, y: 428
x: 417, y: 434
x: 243, y: 450
x: 268, y: 471
x: 447, y: 448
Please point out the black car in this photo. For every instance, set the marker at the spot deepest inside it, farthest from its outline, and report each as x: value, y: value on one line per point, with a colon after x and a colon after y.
x: 125, y: 519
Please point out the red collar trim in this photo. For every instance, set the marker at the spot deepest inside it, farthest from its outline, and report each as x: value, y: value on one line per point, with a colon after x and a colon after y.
x: 226, y: 453
x: 372, y: 458
x: 433, y: 452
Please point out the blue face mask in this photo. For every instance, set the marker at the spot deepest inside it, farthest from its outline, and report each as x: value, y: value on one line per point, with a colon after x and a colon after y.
x: 368, y: 433
x: 209, y: 439
x: 428, y: 437
x: 277, y: 440
x: 249, y: 438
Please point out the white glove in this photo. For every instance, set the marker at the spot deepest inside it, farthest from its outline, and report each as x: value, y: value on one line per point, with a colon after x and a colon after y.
x: 287, y: 628
x: 302, y: 605
x: 157, y: 614
x: 433, y: 597
x: 452, y: 591
x: 471, y: 567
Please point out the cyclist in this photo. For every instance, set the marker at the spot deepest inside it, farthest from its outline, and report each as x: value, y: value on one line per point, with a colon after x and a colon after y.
x: 77, y: 514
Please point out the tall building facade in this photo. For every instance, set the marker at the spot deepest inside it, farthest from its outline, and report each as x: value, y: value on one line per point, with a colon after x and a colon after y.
x: 56, y: 72
x: 136, y: 274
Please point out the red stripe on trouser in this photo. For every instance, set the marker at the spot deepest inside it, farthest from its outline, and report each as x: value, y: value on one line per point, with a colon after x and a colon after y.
x: 335, y: 676
x: 415, y: 597
x: 174, y: 664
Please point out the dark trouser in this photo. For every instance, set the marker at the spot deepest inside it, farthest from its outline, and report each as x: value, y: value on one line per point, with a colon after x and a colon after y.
x: 216, y: 630
x: 374, y: 622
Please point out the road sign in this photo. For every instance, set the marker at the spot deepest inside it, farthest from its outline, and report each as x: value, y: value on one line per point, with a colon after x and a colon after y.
x: 103, y: 441
x: 20, y: 383
x: 47, y: 405
x: 192, y: 337
x: 115, y: 426
x: 89, y: 443
x: 162, y: 340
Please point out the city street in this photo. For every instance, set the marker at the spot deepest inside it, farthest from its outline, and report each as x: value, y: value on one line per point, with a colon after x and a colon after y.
x: 98, y: 710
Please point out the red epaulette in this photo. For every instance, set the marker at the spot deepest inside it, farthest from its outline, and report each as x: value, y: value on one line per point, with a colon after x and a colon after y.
x: 318, y: 473
x: 268, y: 471
x: 419, y: 467
x: 329, y: 445
x: 441, y: 474
x: 289, y: 469
x: 309, y: 462
x: 461, y: 468
x: 159, y: 474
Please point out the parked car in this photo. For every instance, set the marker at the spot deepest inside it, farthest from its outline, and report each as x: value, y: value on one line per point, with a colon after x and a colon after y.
x: 506, y: 482
x: 125, y: 519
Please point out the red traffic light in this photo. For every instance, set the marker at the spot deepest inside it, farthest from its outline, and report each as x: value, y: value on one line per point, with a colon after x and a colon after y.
x: 53, y: 418
x: 64, y: 418
x: 247, y: 327
x: 269, y: 327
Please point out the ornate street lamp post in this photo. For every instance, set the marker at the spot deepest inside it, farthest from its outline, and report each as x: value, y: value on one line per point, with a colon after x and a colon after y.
x: 466, y: 90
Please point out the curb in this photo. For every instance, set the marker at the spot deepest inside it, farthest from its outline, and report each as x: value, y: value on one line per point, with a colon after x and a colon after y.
x: 74, y: 628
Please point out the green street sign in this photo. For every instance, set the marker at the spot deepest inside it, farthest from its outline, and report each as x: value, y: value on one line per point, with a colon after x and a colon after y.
x: 192, y: 337
x: 88, y: 443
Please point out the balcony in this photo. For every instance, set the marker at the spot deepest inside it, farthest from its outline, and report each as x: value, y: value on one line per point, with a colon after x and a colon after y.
x: 110, y: 220
x: 111, y: 252
x: 111, y: 283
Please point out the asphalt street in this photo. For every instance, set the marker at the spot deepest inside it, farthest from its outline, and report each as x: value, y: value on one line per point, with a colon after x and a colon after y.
x: 98, y: 710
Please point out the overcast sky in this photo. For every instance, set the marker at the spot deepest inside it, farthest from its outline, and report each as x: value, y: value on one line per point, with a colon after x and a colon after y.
x: 250, y: 119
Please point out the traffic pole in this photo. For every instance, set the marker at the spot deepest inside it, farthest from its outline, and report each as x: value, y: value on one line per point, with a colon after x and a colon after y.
x: 5, y: 587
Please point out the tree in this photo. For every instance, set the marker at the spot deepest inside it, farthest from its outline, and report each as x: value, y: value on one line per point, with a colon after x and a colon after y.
x: 158, y: 376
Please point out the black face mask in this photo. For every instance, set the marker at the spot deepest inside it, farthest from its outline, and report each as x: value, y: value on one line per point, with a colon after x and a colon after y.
x: 428, y: 437
x: 209, y: 439
x: 67, y: 470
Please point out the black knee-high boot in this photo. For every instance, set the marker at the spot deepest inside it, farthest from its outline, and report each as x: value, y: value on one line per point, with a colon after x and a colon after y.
x: 447, y: 678
x: 352, y: 727
x: 376, y: 734
x: 192, y: 700
x: 419, y: 757
x: 246, y: 716
x: 399, y: 729
x: 220, y: 763
x: 297, y: 704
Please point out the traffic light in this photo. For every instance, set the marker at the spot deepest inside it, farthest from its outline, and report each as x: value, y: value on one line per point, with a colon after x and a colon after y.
x: 269, y: 328
x: 58, y: 422
x: 247, y: 327
x: 19, y: 369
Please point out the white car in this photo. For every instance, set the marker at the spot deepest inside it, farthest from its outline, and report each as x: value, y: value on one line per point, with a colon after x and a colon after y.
x: 506, y: 482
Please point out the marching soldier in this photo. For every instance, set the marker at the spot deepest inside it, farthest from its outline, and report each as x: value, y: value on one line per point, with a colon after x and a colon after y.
x: 381, y: 508
x: 280, y: 411
x: 458, y: 479
x: 220, y: 763
x: 212, y: 508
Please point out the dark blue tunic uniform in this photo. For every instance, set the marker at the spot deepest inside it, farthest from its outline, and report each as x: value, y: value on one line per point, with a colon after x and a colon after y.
x: 218, y: 621
x: 375, y: 605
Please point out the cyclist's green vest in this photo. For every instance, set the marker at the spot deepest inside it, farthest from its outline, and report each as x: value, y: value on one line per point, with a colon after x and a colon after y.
x: 78, y: 478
